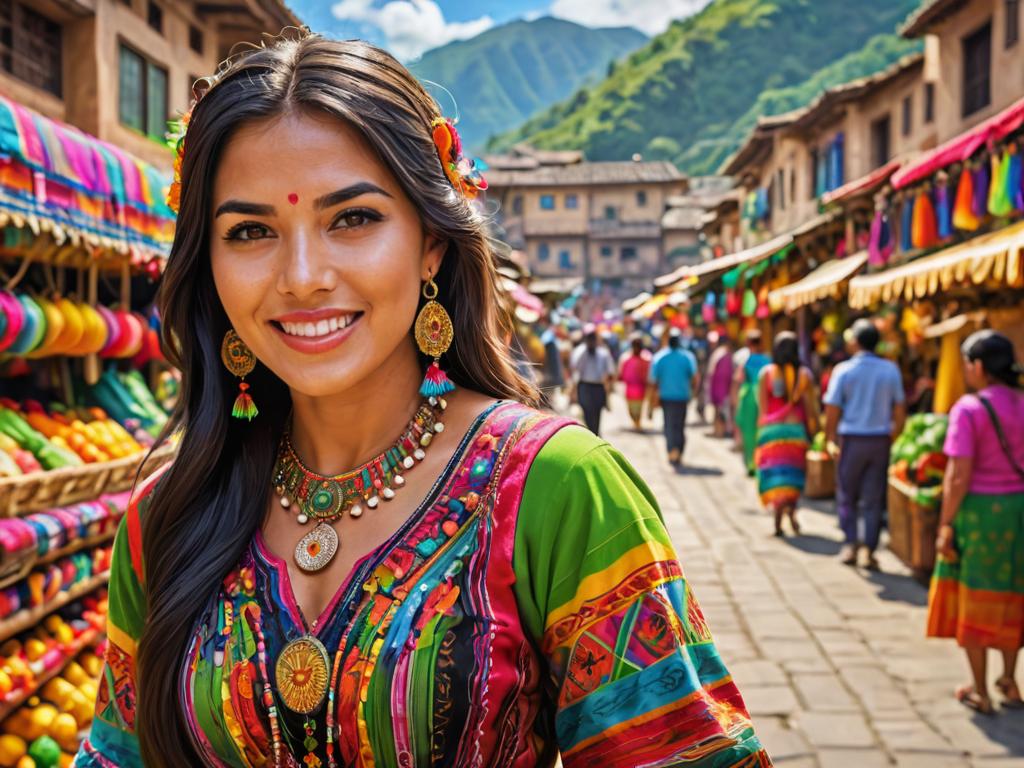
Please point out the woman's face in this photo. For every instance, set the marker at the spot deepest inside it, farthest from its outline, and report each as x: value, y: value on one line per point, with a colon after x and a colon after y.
x: 317, y: 254
x: 974, y: 374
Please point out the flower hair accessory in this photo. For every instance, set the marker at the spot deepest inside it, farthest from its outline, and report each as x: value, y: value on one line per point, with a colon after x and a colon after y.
x: 177, y: 136
x: 462, y: 171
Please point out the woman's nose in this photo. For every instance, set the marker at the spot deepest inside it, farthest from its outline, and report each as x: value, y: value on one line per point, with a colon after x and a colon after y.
x: 307, y: 267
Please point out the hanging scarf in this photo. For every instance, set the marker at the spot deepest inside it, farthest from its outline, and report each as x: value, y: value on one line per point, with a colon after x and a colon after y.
x: 999, y: 203
x: 923, y: 229
x: 1014, y: 180
x: 942, y: 212
x: 964, y: 217
x: 981, y: 184
x: 906, y: 223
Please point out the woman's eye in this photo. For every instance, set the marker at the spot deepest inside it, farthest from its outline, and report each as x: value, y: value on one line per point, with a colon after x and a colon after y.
x: 247, y: 231
x: 355, y: 219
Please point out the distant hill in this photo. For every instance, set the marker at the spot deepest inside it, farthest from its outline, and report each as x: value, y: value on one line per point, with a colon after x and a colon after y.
x: 505, y: 75
x: 687, y: 93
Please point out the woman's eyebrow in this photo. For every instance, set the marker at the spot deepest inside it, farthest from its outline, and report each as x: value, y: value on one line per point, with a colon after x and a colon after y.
x: 347, y: 193
x: 248, y: 209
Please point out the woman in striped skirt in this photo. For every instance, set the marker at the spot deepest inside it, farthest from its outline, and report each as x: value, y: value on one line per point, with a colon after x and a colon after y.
x: 789, y: 413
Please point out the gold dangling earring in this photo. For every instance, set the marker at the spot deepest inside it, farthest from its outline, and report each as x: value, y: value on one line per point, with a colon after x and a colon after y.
x: 434, y: 334
x: 239, y: 359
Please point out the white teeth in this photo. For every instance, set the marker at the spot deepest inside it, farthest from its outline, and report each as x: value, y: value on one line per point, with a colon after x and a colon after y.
x: 319, y: 328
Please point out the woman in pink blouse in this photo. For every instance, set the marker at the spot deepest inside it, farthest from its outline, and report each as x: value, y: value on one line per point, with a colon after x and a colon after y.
x: 633, y: 370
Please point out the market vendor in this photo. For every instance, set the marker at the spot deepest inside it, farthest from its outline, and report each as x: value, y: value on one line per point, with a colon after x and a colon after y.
x: 977, y: 590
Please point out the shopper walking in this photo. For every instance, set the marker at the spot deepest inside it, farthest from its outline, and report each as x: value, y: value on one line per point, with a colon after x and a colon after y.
x: 552, y: 377
x: 634, y: 369
x: 977, y: 590
x: 864, y: 411
x: 788, y: 414
x: 396, y: 559
x: 719, y: 382
x: 673, y: 381
x: 747, y: 365
x: 593, y: 371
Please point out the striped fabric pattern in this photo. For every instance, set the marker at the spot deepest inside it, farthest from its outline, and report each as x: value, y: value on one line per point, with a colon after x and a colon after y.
x: 781, y: 463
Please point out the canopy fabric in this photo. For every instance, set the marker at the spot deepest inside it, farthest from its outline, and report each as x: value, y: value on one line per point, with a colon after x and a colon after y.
x: 652, y: 305
x: 865, y: 184
x: 960, y: 148
x: 818, y: 284
x: 56, y: 178
x: 750, y: 255
x: 634, y: 303
x: 994, y: 257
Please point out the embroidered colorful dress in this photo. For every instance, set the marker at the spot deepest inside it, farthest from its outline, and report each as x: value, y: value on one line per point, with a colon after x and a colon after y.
x: 551, y: 615
x: 746, y: 405
x: 782, y: 440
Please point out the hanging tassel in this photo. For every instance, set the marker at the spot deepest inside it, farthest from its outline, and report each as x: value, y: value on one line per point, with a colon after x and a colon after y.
x: 436, y: 382
x: 906, y: 223
x: 942, y: 212
x: 999, y: 192
x: 963, y: 211
x: 244, y: 407
x: 923, y: 228
x: 981, y: 184
x: 887, y: 243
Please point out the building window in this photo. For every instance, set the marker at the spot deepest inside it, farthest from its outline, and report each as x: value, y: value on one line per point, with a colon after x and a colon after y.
x: 547, y: 202
x: 155, y: 17
x: 906, y: 115
x: 610, y: 213
x: 792, y: 185
x: 517, y: 205
x: 142, y: 97
x: 780, y: 188
x: 572, y: 202
x: 880, y: 142
x: 195, y: 39
x: 1012, y: 13
x: 606, y: 251
x: 815, y: 161
x: 628, y: 253
x: 30, y: 46
x: 977, y: 50
x: 929, y: 102
x: 543, y: 252
x: 565, y: 260
x: 641, y: 198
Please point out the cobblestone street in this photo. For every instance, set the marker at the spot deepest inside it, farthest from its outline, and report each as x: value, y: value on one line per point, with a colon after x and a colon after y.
x: 832, y: 660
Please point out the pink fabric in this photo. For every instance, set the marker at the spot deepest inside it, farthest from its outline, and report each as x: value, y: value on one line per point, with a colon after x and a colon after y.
x: 633, y: 372
x: 971, y: 435
x: 721, y: 376
x: 781, y: 410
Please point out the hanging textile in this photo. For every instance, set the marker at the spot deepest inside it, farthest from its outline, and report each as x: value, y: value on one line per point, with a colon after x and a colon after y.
x: 981, y: 184
x: 999, y: 203
x: 964, y: 217
x: 924, y: 231
x: 906, y: 224
x: 1014, y: 180
x: 943, y: 214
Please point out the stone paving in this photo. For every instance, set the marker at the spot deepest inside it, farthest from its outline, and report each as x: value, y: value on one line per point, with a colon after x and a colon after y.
x: 832, y: 660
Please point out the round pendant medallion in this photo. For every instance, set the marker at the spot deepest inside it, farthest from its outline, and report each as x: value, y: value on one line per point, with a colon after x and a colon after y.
x: 316, y: 548
x: 303, y: 674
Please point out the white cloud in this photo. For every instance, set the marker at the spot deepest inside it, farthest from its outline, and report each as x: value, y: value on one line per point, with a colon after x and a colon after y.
x: 410, y: 27
x: 650, y: 16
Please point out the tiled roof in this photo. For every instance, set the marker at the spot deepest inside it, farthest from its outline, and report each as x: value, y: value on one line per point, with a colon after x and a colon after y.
x: 929, y: 12
x: 683, y: 218
x: 596, y: 173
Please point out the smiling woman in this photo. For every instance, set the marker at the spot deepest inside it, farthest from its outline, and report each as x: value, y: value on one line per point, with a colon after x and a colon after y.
x: 475, y: 582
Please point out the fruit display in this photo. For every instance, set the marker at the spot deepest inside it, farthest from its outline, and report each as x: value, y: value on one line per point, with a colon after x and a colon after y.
x: 917, y: 458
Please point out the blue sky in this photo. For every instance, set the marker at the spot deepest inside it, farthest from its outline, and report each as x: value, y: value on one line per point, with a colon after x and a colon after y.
x: 410, y: 27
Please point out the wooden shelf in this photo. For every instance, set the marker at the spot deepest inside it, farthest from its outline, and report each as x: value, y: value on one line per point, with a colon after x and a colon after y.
x: 11, y: 705
x: 30, y: 617
x: 55, y: 554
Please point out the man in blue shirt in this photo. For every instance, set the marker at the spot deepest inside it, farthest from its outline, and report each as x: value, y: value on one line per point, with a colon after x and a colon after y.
x: 674, y: 373
x: 864, y: 412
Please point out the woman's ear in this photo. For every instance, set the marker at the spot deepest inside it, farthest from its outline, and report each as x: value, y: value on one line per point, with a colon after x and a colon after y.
x: 434, y: 248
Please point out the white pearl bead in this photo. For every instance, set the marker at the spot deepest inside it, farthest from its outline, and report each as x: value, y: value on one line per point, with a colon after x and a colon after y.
x: 443, y: 403
x: 439, y: 427
x: 408, y: 462
x: 285, y: 502
x: 302, y: 519
x: 419, y: 454
x: 388, y: 494
x: 432, y: 400
x: 372, y: 502
x: 398, y: 480
x: 356, y: 510
x: 425, y: 440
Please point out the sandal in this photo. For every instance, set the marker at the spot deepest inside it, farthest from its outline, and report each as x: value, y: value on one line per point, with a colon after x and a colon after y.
x: 971, y: 699
x: 1011, y: 693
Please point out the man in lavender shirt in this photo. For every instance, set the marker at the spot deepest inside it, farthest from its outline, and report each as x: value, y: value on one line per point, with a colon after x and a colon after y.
x: 864, y: 410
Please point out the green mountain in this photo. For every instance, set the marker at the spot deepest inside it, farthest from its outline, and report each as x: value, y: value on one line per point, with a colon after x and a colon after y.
x: 505, y: 75
x: 705, y: 157
x: 680, y: 97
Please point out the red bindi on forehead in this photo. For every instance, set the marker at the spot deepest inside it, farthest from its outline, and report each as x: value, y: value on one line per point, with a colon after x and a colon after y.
x: 293, y: 198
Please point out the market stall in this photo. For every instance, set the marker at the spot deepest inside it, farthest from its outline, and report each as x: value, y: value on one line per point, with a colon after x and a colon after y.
x: 84, y: 397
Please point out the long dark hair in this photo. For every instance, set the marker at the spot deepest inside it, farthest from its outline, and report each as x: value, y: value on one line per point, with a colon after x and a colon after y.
x: 997, y: 356
x: 207, y: 506
x: 786, y: 356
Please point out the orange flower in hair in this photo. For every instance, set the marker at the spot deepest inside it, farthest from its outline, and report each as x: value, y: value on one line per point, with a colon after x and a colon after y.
x: 178, y: 137
x: 463, y: 172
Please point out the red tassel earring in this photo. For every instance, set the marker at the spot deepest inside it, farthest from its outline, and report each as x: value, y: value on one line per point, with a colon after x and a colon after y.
x: 239, y: 359
x: 434, y: 334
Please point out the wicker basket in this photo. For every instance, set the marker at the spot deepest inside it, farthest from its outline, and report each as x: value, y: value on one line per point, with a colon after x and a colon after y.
x: 71, y: 485
x: 821, y: 476
x: 913, y: 527
x: 900, y: 530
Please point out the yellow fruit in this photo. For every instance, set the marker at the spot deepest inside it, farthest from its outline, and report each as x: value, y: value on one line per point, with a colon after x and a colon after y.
x: 26, y: 762
x: 89, y: 689
x: 59, y: 692
x: 12, y: 749
x: 34, y: 649
x: 74, y: 673
x: 92, y: 664
x: 64, y: 730
x: 5, y: 683
x: 66, y: 760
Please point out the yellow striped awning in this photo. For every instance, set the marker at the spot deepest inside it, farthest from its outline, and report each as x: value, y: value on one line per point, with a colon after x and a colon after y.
x: 818, y: 284
x: 991, y: 258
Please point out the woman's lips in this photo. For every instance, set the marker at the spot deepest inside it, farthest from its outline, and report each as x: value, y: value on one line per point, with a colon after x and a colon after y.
x: 313, y: 345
